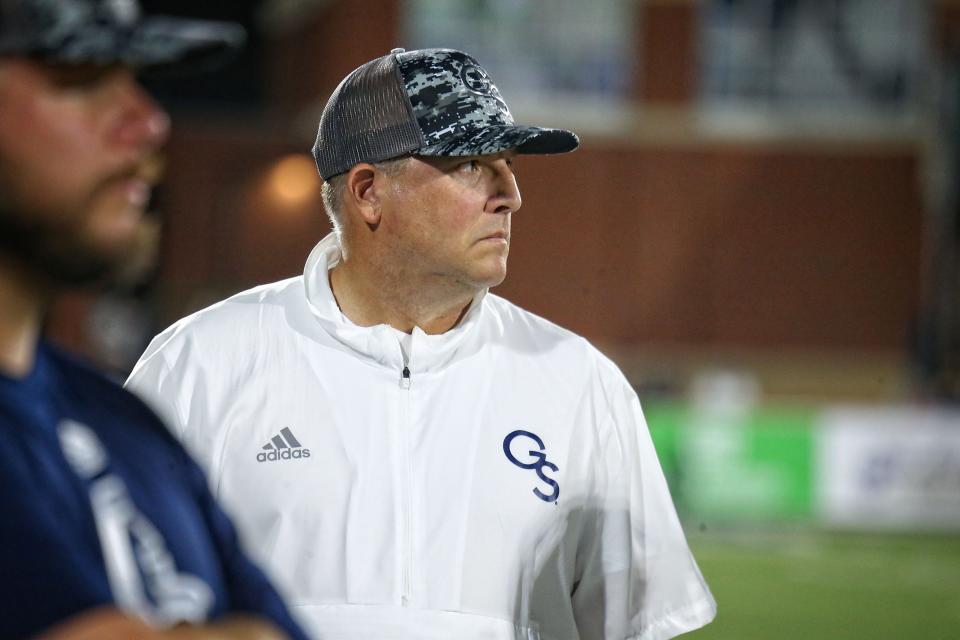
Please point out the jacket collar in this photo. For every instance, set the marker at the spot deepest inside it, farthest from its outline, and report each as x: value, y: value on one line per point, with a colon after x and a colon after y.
x: 381, y: 343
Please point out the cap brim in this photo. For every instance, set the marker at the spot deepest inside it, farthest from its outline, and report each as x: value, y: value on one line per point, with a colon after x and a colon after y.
x: 156, y: 44
x: 494, y: 139
x: 179, y: 45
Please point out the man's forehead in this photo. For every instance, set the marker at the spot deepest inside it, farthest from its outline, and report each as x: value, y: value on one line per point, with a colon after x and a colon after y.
x: 508, y: 154
x: 23, y: 69
x: 17, y: 71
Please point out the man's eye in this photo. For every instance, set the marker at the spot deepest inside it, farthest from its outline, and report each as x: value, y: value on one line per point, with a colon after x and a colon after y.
x: 469, y: 166
x: 80, y: 76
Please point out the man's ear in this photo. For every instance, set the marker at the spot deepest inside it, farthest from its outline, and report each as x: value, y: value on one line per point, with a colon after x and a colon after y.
x: 362, y: 193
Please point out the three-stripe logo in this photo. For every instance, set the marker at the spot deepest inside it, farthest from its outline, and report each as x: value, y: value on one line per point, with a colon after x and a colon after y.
x: 283, y: 446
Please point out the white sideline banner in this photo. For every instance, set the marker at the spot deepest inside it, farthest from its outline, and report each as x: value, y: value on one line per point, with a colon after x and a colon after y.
x: 891, y: 468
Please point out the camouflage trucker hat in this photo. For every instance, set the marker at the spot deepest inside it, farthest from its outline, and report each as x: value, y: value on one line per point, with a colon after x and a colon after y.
x: 431, y: 102
x: 113, y: 31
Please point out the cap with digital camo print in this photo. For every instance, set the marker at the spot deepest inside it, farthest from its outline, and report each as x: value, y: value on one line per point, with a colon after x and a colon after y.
x: 429, y: 102
x: 113, y: 32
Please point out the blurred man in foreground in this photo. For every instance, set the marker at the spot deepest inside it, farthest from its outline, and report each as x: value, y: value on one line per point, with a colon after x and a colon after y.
x: 107, y: 527
x: 414, y: 456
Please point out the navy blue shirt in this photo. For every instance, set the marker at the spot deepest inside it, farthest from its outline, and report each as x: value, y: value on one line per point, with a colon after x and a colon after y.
x: 100, y: 505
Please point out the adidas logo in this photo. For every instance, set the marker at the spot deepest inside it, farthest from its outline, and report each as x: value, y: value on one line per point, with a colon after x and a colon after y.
x: 283, y: 446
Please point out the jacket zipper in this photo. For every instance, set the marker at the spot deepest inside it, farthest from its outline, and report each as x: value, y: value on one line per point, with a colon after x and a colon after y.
x: 406, y: 492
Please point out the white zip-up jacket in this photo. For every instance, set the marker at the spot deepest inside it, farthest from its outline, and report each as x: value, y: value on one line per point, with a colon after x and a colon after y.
x: 498, y: 483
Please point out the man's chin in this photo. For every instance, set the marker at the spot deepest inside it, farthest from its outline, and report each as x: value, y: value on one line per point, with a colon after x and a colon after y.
x: 77, y: 268
x: 139, y: 256
x: 125, y: 262
x: 489, y: 278
x: 68, y: 262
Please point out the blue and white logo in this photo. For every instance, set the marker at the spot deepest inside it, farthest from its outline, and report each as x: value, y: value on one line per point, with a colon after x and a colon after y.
x: 536, y: 459
x: 142, y: 573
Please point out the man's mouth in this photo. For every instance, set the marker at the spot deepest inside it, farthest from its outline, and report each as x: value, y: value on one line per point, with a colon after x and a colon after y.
x: 136, y: 192
x: 136, y: 183
x: 497, y: 235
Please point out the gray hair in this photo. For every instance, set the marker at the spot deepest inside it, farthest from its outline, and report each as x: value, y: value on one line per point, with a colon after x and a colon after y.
x: 333, y: 190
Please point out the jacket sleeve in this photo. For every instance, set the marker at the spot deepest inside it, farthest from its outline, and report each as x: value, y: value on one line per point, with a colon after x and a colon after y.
x: 250, y: 590
x: 175, y: 382
x: 639, y: 579
x: 153, y: 382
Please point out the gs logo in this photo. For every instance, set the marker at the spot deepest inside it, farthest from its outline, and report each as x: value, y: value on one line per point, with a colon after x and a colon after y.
x: 536, y: 459
x: 475, y: 79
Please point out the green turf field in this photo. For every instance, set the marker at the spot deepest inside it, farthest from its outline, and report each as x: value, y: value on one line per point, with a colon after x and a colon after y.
x: 814, y: 585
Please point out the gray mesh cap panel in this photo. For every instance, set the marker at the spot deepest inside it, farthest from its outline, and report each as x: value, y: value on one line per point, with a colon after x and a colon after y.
x: 367, y: 119
x: 432, y: 102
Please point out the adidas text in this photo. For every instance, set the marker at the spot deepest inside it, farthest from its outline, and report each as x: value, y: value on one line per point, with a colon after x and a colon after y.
x: 283, y: 454
x: 283, y: 446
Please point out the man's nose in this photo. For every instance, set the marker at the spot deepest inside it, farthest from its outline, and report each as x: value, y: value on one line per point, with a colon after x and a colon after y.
x: 138, y: 121
x: 507, y: 196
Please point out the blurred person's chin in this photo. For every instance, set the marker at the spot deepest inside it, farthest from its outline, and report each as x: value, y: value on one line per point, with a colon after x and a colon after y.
x: 107, y: 247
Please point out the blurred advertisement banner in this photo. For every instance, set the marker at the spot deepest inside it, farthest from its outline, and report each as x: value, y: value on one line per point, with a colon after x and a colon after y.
x: 889, y: 468
x: 726, y: 467
x: 868, y: 468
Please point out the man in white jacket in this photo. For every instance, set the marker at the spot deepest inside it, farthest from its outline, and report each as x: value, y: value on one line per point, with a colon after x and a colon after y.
x: 412, y: 456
